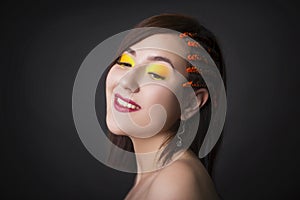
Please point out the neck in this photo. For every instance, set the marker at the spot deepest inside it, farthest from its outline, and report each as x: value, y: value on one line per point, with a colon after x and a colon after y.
x: 147, y: 152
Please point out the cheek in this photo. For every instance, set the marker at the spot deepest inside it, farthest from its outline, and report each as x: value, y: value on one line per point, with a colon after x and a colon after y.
x: 111, y: 79
x: 168, y: 100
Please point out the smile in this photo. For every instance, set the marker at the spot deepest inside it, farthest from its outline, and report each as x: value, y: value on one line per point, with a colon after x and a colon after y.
x: 122, y: 104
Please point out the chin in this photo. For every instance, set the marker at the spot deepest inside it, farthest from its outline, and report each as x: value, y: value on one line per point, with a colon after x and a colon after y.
x: 113, y: 128
x: 117, y: 132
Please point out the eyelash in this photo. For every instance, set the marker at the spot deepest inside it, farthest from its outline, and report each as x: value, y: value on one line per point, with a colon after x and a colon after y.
x: 124, y: 64
x: 156, y: 76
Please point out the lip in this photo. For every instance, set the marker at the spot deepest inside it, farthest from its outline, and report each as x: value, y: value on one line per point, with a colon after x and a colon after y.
x: 122, y: 108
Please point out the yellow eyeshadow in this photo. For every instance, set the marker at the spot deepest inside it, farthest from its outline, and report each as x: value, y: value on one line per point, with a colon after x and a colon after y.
x: 125, y: 58
x: 158, y: 69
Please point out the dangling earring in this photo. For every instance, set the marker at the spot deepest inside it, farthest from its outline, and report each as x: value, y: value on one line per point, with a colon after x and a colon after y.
x: 179, y: 142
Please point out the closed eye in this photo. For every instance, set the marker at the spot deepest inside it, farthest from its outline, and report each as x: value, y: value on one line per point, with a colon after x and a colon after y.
x: 124, y: 64
x: 126, y: 60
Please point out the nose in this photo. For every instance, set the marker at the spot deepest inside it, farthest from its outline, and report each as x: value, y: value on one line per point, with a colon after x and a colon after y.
x: 130, y: 82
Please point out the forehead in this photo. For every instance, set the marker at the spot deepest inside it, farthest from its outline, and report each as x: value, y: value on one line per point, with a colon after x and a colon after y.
x: 167, y: 42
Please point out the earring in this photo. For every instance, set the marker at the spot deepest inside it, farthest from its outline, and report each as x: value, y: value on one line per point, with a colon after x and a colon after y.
x: 179, y: 142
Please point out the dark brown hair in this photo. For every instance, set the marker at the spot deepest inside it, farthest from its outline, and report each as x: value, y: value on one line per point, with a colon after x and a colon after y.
x: 208, y: 41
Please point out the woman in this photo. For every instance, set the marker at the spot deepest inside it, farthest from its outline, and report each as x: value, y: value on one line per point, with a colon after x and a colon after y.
x: 150, y: 109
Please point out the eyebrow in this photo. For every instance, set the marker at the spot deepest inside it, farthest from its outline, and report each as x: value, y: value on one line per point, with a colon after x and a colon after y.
x: 160, y: 58
x: 152, y: 58
x: 131, y: 51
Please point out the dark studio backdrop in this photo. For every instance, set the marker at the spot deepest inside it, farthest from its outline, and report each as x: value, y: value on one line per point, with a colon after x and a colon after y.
x: 43, y: 44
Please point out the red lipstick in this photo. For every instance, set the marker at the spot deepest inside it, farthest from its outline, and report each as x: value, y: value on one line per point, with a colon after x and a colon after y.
x: 122, y: 104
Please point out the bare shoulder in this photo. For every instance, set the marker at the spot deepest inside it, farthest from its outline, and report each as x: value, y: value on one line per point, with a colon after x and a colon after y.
x: 183, y: 179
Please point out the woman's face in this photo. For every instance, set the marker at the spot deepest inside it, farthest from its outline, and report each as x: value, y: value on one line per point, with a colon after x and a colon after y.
x: 139, y: 100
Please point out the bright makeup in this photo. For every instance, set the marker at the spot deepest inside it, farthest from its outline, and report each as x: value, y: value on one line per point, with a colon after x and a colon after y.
x: 126, y: 60
x: 158, y: 71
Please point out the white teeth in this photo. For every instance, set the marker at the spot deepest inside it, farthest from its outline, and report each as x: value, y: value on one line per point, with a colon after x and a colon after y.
x: 125, y: 104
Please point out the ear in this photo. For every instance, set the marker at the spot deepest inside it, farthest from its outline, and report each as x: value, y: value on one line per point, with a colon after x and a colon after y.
x: 194, y: 103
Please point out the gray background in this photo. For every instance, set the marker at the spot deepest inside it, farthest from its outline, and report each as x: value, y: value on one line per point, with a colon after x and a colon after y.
x: 43, y: 45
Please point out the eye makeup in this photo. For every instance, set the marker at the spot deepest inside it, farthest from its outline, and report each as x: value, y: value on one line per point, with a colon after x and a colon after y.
x: 158, y: 71
x: 126, y: 61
